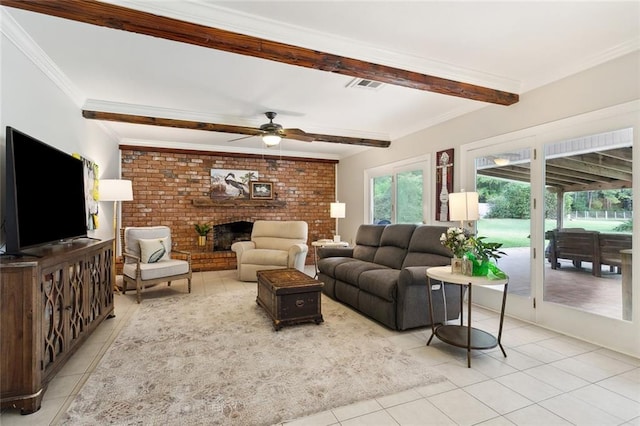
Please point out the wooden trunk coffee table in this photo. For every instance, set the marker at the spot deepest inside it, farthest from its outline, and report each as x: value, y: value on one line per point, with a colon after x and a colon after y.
x: 289, y: 296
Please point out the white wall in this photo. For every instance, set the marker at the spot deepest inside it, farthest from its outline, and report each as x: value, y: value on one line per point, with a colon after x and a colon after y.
x: 610, y: 84
x: 32, y: 103
x: 598, y: 90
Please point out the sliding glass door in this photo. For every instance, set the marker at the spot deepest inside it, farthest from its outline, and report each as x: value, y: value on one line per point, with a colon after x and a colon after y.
x: 503, y: 183
x: 588, y: 226
x: 560, y: 199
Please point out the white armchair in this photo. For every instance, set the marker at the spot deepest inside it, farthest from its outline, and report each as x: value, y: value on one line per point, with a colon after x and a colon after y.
x: 273, y: 245
x: 148, y: 259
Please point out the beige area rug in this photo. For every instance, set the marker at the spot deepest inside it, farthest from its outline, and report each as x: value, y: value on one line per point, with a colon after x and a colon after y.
x: 196, y: 360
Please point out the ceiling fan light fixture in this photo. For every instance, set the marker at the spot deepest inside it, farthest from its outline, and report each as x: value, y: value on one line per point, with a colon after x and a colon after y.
x: 501, y: 161
x: 271, y: 139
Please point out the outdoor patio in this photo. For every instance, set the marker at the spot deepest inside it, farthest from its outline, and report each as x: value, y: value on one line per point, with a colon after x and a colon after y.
x: 567, y: 284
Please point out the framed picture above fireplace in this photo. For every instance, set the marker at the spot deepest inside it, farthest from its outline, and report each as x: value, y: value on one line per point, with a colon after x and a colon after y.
x: 228, y: 183
x: 261, y: 190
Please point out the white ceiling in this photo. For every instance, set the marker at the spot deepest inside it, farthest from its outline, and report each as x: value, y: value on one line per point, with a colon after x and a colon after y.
x: 512, y: 46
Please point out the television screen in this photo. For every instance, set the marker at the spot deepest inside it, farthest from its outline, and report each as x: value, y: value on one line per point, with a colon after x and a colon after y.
x: 45, y: 194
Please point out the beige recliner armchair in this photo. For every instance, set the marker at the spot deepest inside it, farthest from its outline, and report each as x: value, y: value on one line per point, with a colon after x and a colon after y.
x: 273, y: 245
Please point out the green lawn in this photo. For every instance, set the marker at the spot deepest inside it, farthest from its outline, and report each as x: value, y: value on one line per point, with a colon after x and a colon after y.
x: 515, y: 232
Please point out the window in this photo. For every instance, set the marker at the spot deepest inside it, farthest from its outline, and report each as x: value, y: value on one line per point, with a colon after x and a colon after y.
x: 398, y: 193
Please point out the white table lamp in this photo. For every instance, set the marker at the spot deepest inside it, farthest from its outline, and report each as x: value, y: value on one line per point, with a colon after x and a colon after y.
x: 337, y: 211
x: 463, y: 206
x: 115, y: 190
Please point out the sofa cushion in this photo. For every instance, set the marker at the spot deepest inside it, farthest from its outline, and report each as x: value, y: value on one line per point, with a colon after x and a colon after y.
x: 421, y: 259
x: 382, y: 283
x: 369, y: 235
x: 328, y: 265
x: 367, y: 242
x: 349, y: 272
x: 163, y: 268
x: 398, y: 235
x: 425, y: 248
x: 279, y: 235
x: 265, y: 257
x: 393, y: 245
x: 153, y: 250
x: 390, y: 256
x: 135, y: 233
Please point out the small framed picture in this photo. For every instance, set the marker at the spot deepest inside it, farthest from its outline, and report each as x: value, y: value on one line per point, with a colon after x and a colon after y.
x: 261, y: 190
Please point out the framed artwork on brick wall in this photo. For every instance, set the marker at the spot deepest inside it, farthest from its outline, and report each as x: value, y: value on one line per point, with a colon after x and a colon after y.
x: 261, y: 190
x: 227, y: 183
x: 444, y: 183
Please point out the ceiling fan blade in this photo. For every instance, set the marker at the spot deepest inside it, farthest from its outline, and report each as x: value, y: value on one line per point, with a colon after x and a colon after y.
x: 375, y: 143
x: 298, y: 134
x: 241, y: 138
x: 170, y: 122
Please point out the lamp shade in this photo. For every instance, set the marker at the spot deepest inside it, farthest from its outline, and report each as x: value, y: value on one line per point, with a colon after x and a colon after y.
x: 463, y: 206
x: 271, y: 139
x: 338, y: 210
x: 115, y: 190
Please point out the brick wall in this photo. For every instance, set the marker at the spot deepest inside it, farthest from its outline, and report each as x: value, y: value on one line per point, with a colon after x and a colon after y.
x: 166, y: 181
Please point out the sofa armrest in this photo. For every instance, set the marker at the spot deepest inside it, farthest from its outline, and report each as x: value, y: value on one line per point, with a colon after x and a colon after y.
x: 297, y: 249
x: 242, y: 246
x: 412, y: 276
x: 130, y: 258
x: 324, y: 252
x: 297, y: 256
x: 413, y: 299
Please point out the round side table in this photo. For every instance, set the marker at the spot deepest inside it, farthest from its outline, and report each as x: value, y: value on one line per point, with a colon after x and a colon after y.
x: 460, y: 335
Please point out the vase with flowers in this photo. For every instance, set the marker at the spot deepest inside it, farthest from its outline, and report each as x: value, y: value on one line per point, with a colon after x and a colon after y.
x: 459, y: 242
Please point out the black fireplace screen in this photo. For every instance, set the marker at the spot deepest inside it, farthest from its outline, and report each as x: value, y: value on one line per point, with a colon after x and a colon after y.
x: 228, y: 233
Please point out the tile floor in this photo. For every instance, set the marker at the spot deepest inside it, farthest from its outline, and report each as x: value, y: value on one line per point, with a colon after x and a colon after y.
x: 546, y: 379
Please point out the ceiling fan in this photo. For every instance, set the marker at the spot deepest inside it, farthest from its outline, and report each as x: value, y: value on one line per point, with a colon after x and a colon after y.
x: 272, y: 133
x: 267, y: 129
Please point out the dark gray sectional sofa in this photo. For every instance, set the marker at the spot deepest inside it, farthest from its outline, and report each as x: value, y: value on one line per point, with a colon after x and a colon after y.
x: 384, y: 275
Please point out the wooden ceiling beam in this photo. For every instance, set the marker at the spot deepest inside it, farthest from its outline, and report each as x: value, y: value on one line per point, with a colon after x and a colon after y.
x: 581, y: 164
x: 222, y: 128
x: 126, y: 19
x: 574, y: 175
x: 601, y: 170
x: 616, y: 184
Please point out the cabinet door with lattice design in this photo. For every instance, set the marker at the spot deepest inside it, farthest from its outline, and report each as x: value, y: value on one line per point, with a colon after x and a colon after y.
x: 76, y: 301
x: 53, y: 297
x: 99, y: 288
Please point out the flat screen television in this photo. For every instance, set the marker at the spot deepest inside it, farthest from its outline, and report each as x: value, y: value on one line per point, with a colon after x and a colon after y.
x: 45, y: 194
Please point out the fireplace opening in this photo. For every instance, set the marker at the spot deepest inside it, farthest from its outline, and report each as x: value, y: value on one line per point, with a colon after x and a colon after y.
x: 228, y: 233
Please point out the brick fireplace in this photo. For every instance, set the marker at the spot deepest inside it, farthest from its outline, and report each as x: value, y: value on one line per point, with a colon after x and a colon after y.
x: 229, y: 232
x: 172, y: 187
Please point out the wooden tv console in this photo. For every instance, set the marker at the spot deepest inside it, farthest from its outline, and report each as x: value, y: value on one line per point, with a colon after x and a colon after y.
x: 48, y: 306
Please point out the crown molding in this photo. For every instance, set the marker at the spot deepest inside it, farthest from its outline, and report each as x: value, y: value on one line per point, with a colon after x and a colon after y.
x: 615, y: 52
x: 25, y: 44
x: 275, y: 151
x: 432, y: 121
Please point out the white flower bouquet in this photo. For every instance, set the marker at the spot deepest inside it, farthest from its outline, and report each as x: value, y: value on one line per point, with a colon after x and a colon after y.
x: 457, y: 240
